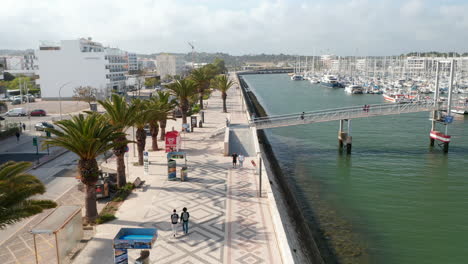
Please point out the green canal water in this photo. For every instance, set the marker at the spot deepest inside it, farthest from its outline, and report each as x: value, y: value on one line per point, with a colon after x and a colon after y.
x: 394, y: 200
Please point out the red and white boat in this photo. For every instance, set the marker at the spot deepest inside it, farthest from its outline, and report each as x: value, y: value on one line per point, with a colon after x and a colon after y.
x: 398, y: 98
x: 440, y: 136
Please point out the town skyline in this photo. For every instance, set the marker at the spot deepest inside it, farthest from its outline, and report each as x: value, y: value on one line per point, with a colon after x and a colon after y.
x: 344, y: 28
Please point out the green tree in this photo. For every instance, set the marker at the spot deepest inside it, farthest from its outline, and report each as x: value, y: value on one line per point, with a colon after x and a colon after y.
x: 168, y: 105
x: 222, y: 83
x: 121, y: 116
x: 140, y: 120
x: 16, y: 190
x: 160, y: 107
x: 22, y: 82
x: 151, y: 82
x: 202, y: 79
x: 183, y: 90
x: 88, y: 136
x: 220, y: 66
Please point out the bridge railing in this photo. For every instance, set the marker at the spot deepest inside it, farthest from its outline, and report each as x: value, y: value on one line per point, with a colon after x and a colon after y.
x: 341, y: 113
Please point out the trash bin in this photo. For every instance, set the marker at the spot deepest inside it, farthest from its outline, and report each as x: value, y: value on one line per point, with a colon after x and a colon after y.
x: 93, y: 107
x: 183, y: 174
x: 200, y: 124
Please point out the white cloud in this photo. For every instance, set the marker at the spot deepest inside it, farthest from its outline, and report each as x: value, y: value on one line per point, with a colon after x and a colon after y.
x: 353, y: 27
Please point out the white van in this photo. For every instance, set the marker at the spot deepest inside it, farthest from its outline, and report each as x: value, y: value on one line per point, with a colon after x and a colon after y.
x: 16, y: 112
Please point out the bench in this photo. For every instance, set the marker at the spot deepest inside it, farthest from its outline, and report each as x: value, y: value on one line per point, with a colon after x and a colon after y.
x: 138, y: 183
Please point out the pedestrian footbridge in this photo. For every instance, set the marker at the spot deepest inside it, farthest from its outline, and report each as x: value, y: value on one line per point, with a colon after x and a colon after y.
x: 345, y: 113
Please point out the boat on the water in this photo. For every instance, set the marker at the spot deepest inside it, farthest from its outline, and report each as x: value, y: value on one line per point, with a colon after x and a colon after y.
x: 354, y: 89
x: 462, y: 107
x: 297, y: 77
x: 314, y: 80
x: 330, y: 81
x: 398, y: 97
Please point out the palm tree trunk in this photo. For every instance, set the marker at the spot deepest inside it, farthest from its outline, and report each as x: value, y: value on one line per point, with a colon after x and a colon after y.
x: 224, y: 96
x: 184, y: 109
x: 141, y: 142
x: 89, y: 171
x: 90, y: 203
x: 154, y: 129
x: 162, y: 125
x: 119, y: 152
x: 201, y: 99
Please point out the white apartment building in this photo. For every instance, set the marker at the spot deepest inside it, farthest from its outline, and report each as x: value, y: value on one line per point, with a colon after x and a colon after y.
x: 25, y: 62
x: 132, y: 62
x: 169, y: 65
x: 81, y: 62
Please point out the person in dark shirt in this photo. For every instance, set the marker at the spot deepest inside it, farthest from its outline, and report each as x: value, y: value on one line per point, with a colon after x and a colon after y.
x: 234, y: 160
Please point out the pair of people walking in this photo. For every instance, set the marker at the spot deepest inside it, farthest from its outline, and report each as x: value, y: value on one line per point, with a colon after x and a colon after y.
x: 184, y: 219
x: 236, y: 157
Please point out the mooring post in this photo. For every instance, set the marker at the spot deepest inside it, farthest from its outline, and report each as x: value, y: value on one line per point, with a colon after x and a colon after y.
x: 349, y: 138
x: 340, y: 136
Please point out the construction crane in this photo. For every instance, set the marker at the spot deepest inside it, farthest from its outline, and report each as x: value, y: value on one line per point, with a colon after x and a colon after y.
x: 193, y: 50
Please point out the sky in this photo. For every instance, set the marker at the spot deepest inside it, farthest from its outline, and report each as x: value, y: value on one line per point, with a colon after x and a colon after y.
x: 237, y: 27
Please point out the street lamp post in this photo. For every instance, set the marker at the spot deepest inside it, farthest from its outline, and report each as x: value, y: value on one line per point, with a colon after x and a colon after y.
x: 60, y: 98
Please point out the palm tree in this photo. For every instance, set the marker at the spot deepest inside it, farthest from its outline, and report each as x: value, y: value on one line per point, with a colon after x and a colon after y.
x: 16, y: 188
x: 222, y: 83
x: 159, y: 109
x: 88, y: 137
x: 140, y: 121
x: 183, y: 90
x: 202, y: 79
x: 168, y: 104
x: 121, y: 116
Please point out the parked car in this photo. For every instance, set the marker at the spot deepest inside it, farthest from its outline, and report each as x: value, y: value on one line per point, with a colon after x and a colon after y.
x: 41, y: 126
x: 16, y: 112
x: 16, y: 101
x: 38, y: 112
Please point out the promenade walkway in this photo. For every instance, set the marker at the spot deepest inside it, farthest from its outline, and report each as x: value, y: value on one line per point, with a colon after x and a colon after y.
x: 228, y: 222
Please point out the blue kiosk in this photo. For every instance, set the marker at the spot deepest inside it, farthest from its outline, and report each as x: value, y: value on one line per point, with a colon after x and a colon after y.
x: 133, y: 238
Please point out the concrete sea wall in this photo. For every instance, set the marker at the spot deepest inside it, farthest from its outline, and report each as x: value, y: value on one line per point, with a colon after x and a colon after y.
x: 313, y: 245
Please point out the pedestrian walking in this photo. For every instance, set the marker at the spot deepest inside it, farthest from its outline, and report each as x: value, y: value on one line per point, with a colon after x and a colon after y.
x: 174, y: 221
x: 184, y: 218
x: 24, y: 127
x: 234, y: 160
x: 241, y: 160
x: 17, y: 134
x: 302, y: 115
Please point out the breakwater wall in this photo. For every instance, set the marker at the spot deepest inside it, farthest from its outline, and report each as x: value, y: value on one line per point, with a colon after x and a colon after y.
x: 312, y: 241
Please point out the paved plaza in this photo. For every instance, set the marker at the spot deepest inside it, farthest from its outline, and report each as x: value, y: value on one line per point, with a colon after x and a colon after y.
x: 228, y: 222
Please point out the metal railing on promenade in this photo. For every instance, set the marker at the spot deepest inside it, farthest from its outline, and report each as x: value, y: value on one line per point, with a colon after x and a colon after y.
x: 344, y: 113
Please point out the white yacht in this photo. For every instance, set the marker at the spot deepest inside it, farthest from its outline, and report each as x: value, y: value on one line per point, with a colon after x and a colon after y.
x: 297, y: 77
x: 354, y: 89
x: 329, y: 81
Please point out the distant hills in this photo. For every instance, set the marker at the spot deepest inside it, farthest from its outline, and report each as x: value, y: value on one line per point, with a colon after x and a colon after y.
x: 4, y: 52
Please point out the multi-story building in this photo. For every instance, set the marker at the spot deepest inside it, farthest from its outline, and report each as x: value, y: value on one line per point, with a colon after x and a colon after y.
x: 25, y: 62
x: 81, y: 62
x: 169, y: 65
x: 132, y: 62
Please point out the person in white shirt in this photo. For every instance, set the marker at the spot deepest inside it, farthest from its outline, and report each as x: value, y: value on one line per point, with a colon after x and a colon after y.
x: 241, y: 160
